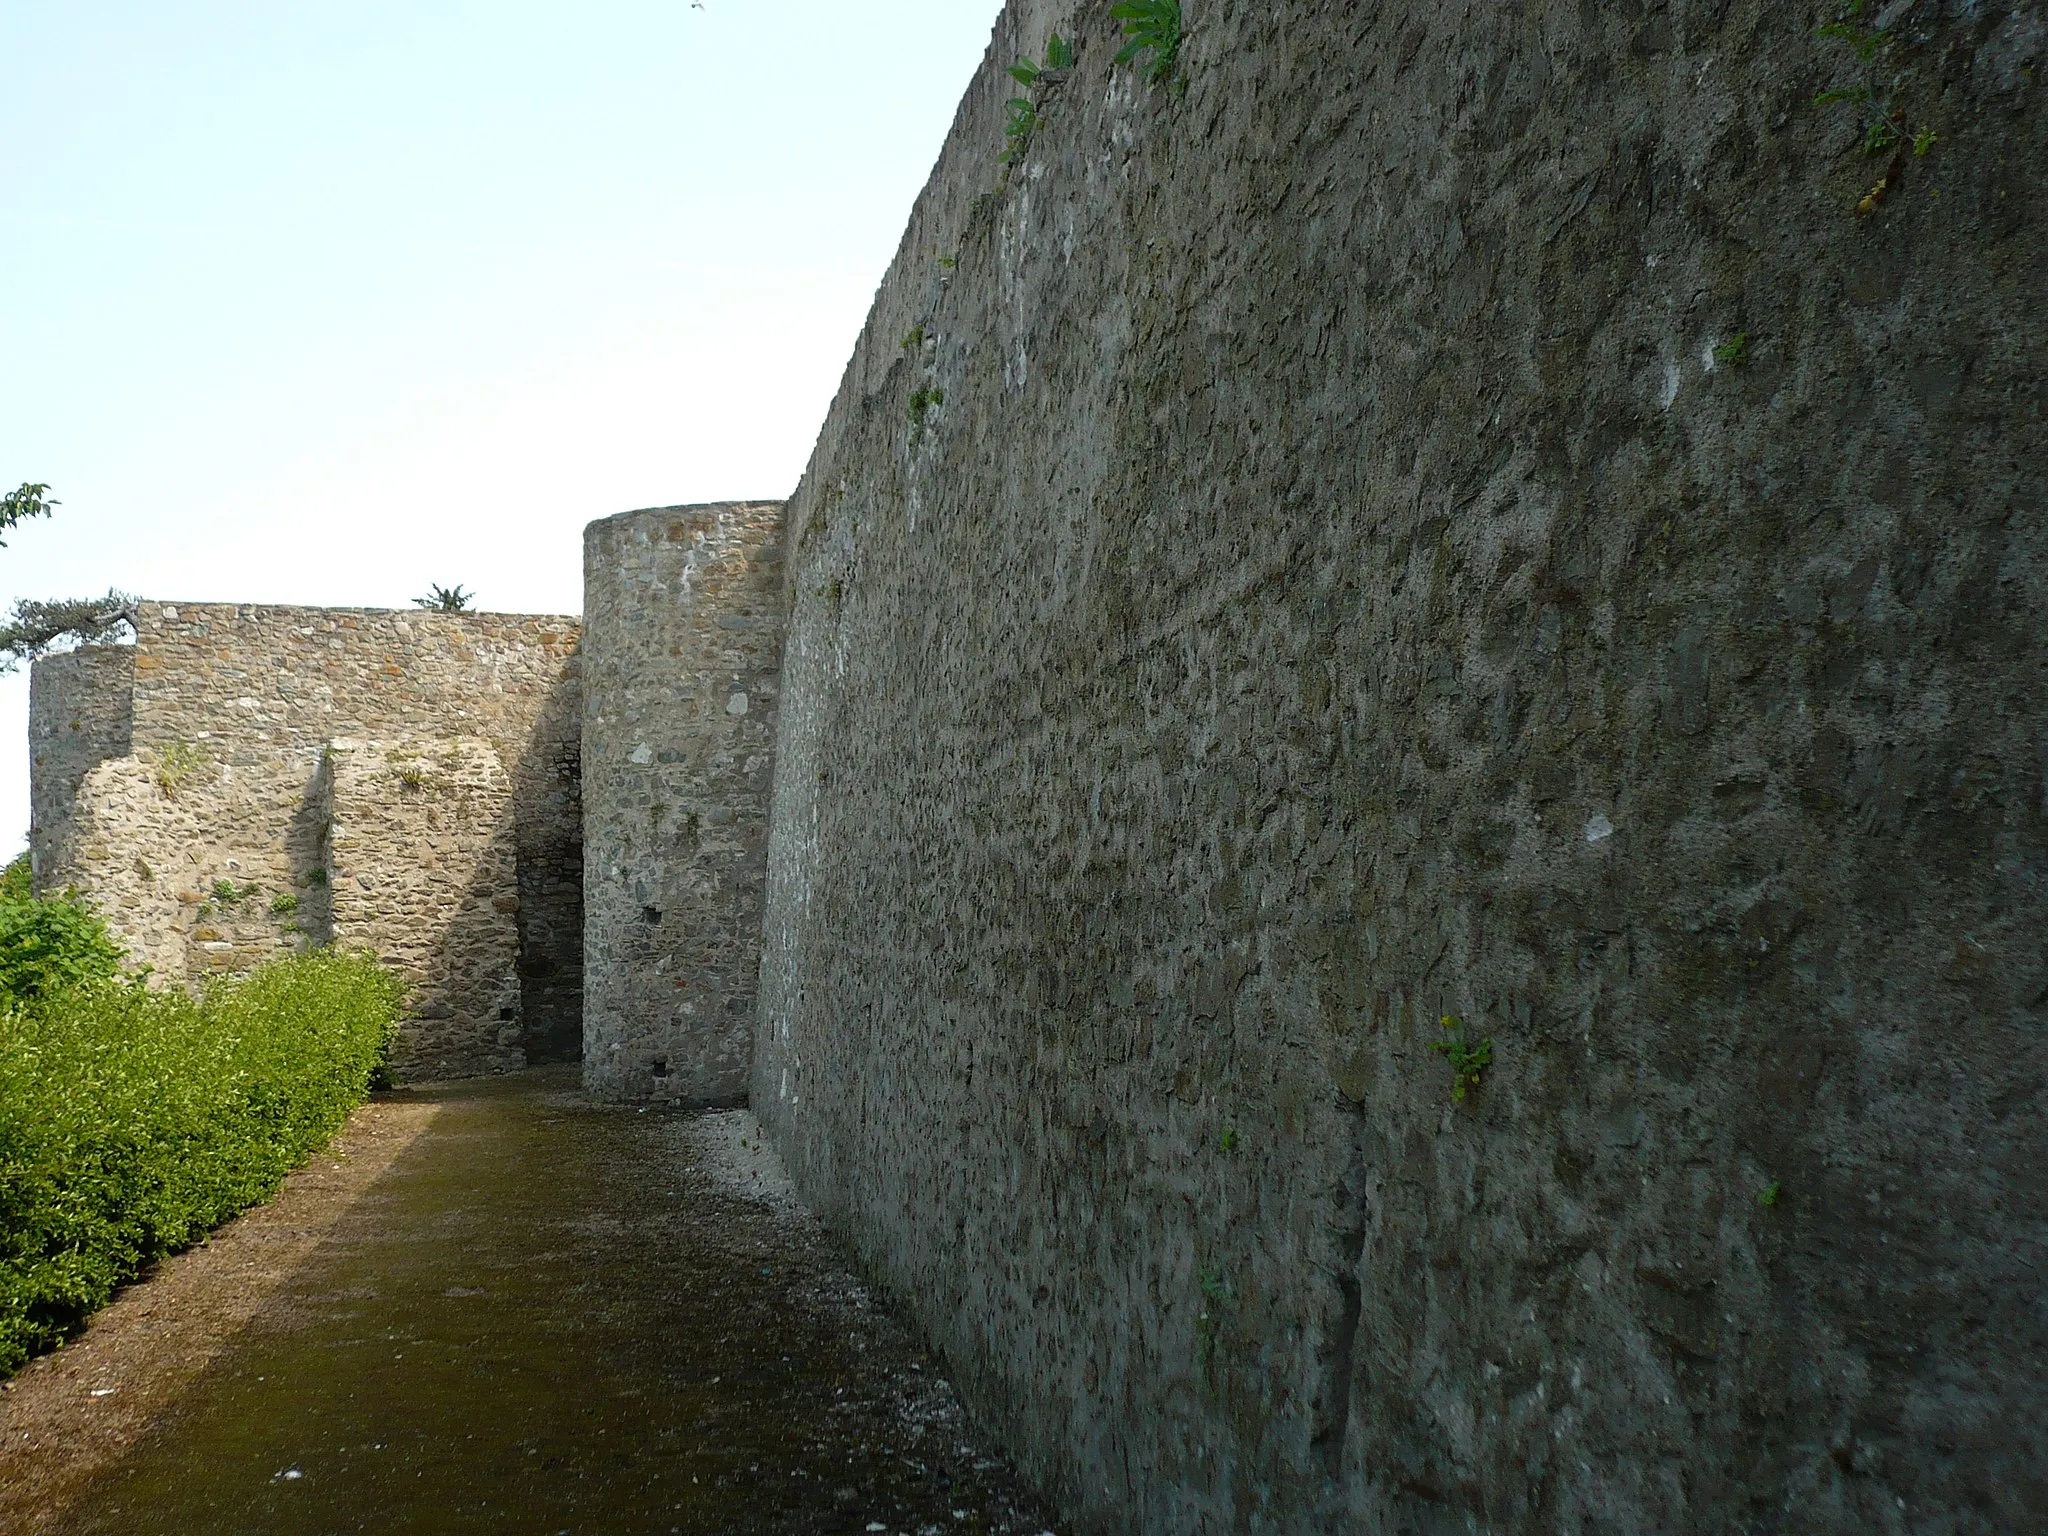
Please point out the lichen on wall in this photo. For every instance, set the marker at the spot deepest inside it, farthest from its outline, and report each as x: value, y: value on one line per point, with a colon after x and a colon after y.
x: 1438, y: 548
x: 683, y: 642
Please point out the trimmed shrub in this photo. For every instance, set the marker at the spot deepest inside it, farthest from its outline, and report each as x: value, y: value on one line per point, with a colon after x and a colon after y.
x: 132, y: 1121
x: 48, y: 947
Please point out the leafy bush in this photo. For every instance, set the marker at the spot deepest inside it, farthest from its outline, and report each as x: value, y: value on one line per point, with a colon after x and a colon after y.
x: 50, y: 946
x: 133, y: 1121
x: 17, y: 880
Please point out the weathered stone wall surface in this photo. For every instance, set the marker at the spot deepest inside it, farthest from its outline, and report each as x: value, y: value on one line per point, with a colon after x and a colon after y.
x: 683, y: 643
x: 1454, y: 515
x: 443, y: 915
x: 209, y: 844
x: 80, y: 713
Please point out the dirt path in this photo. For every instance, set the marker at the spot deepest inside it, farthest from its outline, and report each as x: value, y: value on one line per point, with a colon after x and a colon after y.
x: 492, y: 1307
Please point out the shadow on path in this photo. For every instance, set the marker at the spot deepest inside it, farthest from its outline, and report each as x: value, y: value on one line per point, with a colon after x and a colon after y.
x: 550, y: 1317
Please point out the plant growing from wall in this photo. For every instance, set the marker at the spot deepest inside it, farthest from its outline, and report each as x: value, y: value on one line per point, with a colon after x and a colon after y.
x: 176, y: 762
x: 1875, y: 97
x: 1152, y: 30
x: 922, y: 403
x: 1735, y: 351
x: 1467, y: 1060
x: 1023, y: 110
x: 227, y: 894
x: 283, y: 904
x: 440, y: 599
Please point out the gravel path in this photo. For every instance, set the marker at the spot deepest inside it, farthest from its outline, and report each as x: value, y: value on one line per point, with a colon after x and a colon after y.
x: 493, y: 1307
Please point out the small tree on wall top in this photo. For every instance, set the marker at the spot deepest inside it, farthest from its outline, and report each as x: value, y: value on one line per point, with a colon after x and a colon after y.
x: 37, y: 628
x: 440, y: 599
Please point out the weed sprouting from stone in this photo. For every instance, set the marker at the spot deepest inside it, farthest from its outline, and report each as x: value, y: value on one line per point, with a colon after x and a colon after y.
x: 1152, y: 27
x: 1023, y: 110
x: 922, y: 403
x: 1884, y: 119
x: 1734, y: 352
x: 226, y: 893
x: 1467, y: 1060
x: 1769, y: 1194
x: 283, y: 903
x: 176, y: 762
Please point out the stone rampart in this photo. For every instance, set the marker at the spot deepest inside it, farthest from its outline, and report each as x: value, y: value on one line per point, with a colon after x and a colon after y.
x: 683, y: 644
x: 196, y: 802
x: 1451, y: 535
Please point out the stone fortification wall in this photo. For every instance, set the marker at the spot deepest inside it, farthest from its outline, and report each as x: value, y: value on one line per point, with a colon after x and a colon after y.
x: 683, y: 637
x: 1454, y: 516
x: 81, y: 713
x: 443, y: 916
x: 211, y: 842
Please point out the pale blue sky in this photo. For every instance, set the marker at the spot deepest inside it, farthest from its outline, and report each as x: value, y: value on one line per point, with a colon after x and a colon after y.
x: 320, y: 303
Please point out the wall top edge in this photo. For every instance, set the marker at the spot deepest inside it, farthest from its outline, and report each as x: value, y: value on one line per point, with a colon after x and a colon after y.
x: 699, y: 508
x: 156, y: 607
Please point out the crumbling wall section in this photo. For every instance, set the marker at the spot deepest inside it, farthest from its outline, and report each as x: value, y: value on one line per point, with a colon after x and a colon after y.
x: 1450, y: 534
x: 683, y: 626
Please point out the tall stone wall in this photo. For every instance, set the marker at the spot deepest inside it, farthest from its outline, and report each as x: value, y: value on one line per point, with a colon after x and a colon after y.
x: 444, y: 914
x: 204, y: 819
x: 81, y: 713
x: 683, y: 639
x: 1455, y: 516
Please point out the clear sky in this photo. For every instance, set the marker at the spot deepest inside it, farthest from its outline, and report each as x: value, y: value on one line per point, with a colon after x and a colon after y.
x: 323, y: 302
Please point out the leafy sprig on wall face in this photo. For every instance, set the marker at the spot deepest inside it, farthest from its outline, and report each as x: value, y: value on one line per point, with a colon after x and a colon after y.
x: 1151, y: 27
x: 1023, y: 119
x: 1875, y: 98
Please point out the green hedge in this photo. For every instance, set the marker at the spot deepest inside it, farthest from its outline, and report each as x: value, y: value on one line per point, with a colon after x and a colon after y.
x: 133, y: 1121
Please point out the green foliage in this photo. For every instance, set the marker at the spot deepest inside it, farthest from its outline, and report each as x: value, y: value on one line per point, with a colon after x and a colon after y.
x: 177, y: 761
x: 283, y: 903
x: 1059, y: 54
x: 1227, y: 1142
x: 411, y: 776
x: 32, y: 499
x: 133, y: 1121
x: 1152, y: 27
x: 1883, y: 118
x: 1735, y: 351
x: 914, y: 338
x: 1467, y: 1061
x: 1768, y: 1195
x: 48, y: 947
x: 17, y: 880
x: 446, y: 599
x: 921, y: 404
x: 314, y: 877
x: 39, y: 627
x: 1018, y: 128
x: 227, y: 893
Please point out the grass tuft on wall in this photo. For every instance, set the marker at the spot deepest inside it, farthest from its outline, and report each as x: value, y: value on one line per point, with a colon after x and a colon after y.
x: 134, y: 1121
